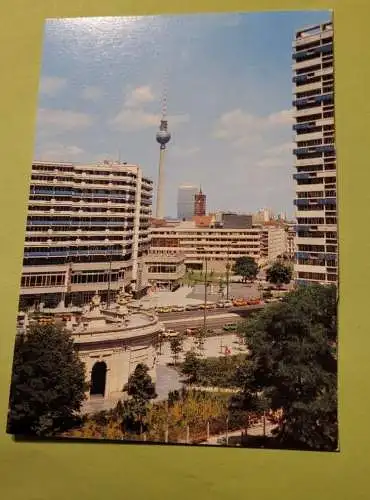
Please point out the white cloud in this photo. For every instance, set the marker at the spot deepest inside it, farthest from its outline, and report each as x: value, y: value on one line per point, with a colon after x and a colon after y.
x: 140, y: 95
x: 134, y: 117
x: 284, y: 117
x: 60, y: 152
x: 277, y: 156
x: 57, y: 121
x: 51, y: 85
x: 242, y: 128
x: 91, y: 93
x: 132, y: 120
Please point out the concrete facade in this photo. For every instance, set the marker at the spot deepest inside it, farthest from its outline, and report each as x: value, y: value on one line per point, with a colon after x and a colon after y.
x: 218, y: 245
x: 316, y: 242
x: 87, y: 230
x: 117, y: 339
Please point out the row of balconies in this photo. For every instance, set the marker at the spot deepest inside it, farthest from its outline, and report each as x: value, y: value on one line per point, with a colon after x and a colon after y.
x: 300, y: 55
x: 314, y: 100
x: 52, y: 183
x: 329, y: 148
x: 124, y: 225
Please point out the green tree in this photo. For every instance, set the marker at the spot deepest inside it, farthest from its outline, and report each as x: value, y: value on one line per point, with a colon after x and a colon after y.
x: 200, y: 339
x: 176, y: 346
x: 48, y: 382
x: 142, y: 390
x: 279, y: 273
x: 221, y: 286
x: 191, y: 367
x: 291, y: 362
x: 246, y: 267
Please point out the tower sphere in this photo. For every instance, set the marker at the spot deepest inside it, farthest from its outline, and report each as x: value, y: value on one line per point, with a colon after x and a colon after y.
x: 163, y: 136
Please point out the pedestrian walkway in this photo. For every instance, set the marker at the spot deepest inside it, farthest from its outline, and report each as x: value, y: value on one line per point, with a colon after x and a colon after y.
x: 177, y: 298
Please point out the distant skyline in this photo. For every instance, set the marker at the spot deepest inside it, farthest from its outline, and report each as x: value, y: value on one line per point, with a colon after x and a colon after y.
x: 229, y: 92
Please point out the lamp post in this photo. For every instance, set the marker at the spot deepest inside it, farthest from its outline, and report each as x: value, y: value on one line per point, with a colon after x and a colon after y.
x: 205, y: 295
x: 109, y: 277
x: 227, y: 274
x: 205, y: 290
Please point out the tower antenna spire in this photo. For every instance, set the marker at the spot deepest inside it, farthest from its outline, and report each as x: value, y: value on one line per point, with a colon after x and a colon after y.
x: 163, y: 137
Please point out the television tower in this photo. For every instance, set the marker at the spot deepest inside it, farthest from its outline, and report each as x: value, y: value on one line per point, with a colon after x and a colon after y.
x: 163, y: 137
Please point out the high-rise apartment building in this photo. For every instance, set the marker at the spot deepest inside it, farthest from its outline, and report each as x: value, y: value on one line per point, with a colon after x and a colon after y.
x: 185, y: 202
x: 200, y: 201
x: 316, y: 242
x: 87, y: 231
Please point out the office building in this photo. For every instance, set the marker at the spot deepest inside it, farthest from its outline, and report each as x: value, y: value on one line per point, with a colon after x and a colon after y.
x: 87, y: 231
x: 315, y: 178
x: 236, y: 221
x: 274, y: 242
x: 185, y: 202
x: 290, y: 240
x: 218, y: 245
x: 200, y: 203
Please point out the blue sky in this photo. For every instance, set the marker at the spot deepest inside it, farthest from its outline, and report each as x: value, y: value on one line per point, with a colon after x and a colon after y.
x: 229, y: 92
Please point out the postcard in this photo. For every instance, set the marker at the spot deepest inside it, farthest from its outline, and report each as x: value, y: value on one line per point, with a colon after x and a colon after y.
x: 179, y: 281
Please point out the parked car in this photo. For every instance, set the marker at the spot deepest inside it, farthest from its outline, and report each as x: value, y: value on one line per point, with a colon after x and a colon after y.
x: 192, y: 307
x: 230, y: 327
x: 170, y: 333
x: 228, y: 303
x: 240, y: 302
x: 178, y: 309
x: 254, y: 302
x: 191, y: 331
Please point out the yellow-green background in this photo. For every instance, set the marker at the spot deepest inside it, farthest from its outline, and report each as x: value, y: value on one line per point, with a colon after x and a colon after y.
x: 32, y: 471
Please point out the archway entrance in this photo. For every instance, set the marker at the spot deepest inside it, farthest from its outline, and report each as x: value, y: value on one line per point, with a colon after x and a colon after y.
x: 98, y: 379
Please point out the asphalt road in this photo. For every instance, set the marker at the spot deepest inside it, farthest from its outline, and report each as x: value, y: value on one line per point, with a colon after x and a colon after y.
x: 215, y: 319
x: 213, y: 323
x: 240, y: 311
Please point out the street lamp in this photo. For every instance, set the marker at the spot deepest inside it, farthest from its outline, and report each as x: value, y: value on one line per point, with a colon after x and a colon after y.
x: 227, y: 273
x: 205, y: 291
x: 109, y: 276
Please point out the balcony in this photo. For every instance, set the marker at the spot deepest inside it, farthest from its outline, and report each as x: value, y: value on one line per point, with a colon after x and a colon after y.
x: 302, y: 55
x: 314, y: 149
x: 304, y: 126
x: 70, y: 253
x: 315, y: 100
x: 68, y: 222
x: 302, y: 176
x: 51, y: 192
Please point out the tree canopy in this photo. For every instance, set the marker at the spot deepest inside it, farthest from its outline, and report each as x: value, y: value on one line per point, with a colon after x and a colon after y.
x: 246, y: 267
x: 176, y: 346
x: 140, y: 385
x: 48, y: 382
x: 279, y: 273
x: 292, y: 366
x: 142, y: 390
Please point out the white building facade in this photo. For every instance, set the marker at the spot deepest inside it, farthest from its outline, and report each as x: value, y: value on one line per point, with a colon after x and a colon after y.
x: 316, y: 242
x: 87, y: 230
x: 219, y: 246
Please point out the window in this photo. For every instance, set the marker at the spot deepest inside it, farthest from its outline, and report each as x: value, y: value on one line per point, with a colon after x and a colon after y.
x: 312, y: 276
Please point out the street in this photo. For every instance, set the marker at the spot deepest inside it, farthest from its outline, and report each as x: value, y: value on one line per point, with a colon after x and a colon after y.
x: 240, y: 311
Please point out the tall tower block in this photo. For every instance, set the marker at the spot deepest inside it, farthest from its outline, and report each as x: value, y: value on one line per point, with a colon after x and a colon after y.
x: 163, y: 137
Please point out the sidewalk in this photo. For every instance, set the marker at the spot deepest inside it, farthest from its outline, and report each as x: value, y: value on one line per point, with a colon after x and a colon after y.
x: 177, y: 298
